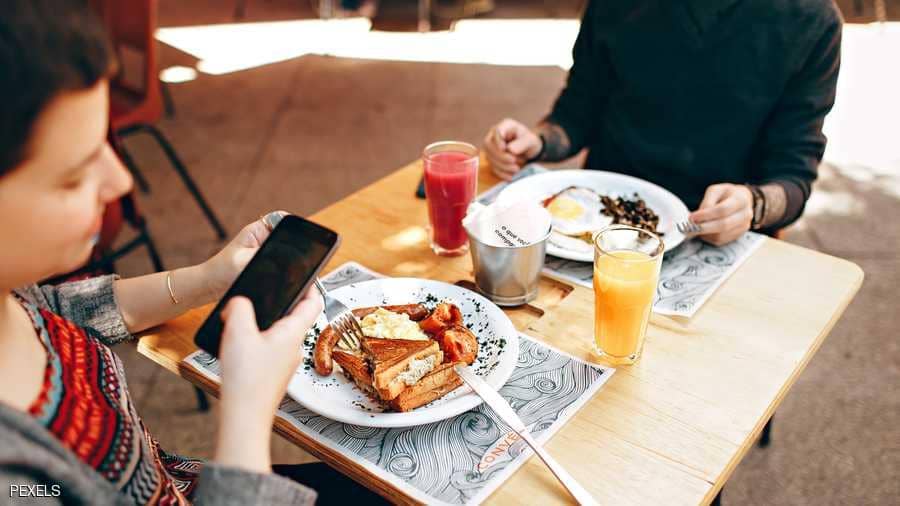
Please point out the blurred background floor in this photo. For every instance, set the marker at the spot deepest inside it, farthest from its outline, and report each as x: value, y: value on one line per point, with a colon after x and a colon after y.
x: 309, y: 129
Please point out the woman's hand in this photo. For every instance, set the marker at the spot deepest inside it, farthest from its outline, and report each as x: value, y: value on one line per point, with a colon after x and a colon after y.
x: 222, y: 269
x: 256, y: 369
x: 725, y: 213
x: 509, y: 145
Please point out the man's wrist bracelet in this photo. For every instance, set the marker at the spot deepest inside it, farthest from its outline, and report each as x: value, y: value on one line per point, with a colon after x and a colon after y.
x: 759, y: 207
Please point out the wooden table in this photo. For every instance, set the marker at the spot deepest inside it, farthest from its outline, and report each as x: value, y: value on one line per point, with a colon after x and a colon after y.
x: 669, y: 430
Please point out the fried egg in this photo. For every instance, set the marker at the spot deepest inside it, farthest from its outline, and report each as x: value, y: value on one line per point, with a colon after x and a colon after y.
x: 577, y: 211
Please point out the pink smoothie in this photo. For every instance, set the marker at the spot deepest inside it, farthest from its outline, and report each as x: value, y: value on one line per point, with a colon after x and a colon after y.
x: 451, y: 178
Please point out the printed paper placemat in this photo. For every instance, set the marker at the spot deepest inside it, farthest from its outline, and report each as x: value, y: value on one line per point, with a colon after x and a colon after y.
x: 690, y: 273
x: 463, y: 459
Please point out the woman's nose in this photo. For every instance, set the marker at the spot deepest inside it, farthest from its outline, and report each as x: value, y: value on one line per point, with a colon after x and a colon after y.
x: 117, y: 180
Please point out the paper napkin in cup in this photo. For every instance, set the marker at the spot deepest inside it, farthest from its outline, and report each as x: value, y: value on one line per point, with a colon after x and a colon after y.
x: 507, y: 225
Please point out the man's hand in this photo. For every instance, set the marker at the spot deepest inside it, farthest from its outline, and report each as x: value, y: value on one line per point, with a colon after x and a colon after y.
x: 509, y: 145
x: 725, y: 213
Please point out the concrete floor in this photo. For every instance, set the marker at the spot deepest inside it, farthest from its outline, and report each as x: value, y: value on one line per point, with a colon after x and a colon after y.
x: 305, y: 132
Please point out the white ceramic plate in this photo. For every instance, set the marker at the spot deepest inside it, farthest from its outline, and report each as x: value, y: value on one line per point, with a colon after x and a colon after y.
x: 664, y: 203
x: 337, y: 397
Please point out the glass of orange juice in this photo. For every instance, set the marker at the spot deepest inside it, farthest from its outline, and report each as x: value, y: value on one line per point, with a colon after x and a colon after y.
x: 627, y: 261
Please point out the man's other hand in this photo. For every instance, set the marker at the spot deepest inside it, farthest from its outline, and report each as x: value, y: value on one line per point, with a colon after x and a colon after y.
x: 725, y: 213
x: 509, y: 145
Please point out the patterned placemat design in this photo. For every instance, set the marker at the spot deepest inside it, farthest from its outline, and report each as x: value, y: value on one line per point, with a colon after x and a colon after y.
x: 690, y: 273
x: 463, y: 459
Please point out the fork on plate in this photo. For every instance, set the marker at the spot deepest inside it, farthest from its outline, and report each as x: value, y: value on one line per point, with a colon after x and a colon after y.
x: 688, y: 228
x: 341, y: 319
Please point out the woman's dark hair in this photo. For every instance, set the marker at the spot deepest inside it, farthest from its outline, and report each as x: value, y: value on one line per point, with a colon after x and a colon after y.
x: 46, y: 47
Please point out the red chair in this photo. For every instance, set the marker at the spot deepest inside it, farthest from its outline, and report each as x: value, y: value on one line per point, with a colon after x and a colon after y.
x: 136, y: 105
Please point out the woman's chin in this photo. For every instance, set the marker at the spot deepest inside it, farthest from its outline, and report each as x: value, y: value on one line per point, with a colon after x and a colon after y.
x: 80, y: 259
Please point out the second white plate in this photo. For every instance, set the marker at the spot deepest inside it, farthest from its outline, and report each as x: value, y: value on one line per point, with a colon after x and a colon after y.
x: 664, y: 203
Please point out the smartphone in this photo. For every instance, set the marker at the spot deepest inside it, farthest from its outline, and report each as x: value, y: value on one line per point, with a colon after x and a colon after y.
x: 420, y: 190
x: 277, y: 276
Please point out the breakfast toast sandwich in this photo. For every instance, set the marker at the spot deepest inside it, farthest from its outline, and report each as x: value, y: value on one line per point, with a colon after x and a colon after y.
x: 403, y: 374
x: 434, y: 385
x: 356, y: 367
x: 398, y: 363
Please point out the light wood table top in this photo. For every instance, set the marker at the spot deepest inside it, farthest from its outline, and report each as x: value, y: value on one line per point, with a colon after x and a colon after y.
x: 668, y: 430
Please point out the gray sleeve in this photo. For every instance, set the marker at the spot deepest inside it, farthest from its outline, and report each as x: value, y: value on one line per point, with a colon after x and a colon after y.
x: 90, y: 303
x: 227, y: 486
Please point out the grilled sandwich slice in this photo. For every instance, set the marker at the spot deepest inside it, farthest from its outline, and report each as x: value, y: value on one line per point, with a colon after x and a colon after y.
x: 399, y: 363
x: 434, y: 385
x: 356, y: 367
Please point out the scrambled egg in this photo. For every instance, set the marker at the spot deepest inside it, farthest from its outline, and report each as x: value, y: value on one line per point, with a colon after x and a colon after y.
x: 417, y: 369
x: 386, y: 324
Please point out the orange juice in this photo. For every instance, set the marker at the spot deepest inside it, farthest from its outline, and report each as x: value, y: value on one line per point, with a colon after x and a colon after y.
x: 624, y: 289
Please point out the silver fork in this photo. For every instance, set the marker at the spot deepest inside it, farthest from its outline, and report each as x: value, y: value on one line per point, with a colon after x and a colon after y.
x: 688, y: 228
x: 341, y: 319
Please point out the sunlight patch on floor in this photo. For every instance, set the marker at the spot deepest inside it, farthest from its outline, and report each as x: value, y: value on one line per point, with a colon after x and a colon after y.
x: 864, y: 126
x: 232, y: 47
x: 837, y: 203
x: 177, y: 74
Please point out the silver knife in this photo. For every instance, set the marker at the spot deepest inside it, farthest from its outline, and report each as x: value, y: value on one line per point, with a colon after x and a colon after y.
x: 509, y: 417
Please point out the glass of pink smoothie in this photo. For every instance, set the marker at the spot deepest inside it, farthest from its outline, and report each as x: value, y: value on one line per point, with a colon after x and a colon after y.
x: 451, y: 179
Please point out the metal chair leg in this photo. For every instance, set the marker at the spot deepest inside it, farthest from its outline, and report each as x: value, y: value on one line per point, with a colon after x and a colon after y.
x: 151, y: 249
x: 182, y: 171
x: 202, y: 400
x: 326, y: 9
x: 424, y: 16
x: 240, y: 9
x: 765, y: 438
x: 168, y: 103
x: 132, y: 167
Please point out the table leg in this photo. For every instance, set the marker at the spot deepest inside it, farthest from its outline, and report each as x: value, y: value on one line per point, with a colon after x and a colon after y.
x: 766, y: 436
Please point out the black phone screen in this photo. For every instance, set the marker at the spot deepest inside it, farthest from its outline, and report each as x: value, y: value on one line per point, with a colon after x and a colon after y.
x: 277, y: 275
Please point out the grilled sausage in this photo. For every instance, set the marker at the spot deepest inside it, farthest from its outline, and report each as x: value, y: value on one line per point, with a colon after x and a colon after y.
x: 415, y: 312
x: 328, y: 338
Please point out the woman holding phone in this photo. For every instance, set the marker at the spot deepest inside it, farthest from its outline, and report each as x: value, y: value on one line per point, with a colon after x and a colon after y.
x: 67, y: 420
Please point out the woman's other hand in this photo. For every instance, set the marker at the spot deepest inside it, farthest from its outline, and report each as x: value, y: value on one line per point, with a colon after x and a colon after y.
x: 725, y: 213
x: 223, y: 268
x: 256, y: 369
x: 509, y: 145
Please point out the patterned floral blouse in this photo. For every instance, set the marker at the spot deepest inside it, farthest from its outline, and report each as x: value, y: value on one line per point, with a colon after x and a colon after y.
x: 85, y: 403
x: 85, y: 414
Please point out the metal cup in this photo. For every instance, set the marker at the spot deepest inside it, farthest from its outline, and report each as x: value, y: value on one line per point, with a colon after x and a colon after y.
x: 508, y: 275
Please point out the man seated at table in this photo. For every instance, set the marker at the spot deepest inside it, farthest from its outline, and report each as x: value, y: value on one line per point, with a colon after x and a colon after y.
x: 720, y: 101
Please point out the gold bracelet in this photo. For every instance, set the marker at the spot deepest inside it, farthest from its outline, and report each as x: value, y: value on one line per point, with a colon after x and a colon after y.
x: 169, y: 285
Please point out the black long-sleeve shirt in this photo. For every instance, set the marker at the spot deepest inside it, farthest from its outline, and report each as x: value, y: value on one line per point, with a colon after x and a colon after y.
x: 689, y: 93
